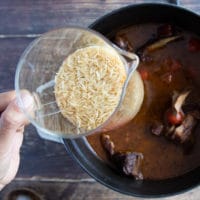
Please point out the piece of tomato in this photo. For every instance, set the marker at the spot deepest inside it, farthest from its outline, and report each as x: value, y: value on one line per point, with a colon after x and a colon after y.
x: 144, y: 74
x: 174, y: 118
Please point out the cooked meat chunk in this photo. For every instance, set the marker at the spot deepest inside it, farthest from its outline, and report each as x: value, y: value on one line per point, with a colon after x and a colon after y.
x: 108, y: 144
x: 182, y: 118
x: 128, y: 163
x: 183, y: 132
x: 123, y: 43
x: 195, y: 114
x: 157, y: 128
x: 192, y: 104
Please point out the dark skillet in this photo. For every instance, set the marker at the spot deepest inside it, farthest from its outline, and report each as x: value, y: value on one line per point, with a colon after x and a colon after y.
x: 81, y: 151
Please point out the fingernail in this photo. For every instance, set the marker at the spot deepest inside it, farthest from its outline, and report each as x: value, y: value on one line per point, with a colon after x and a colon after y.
x: 26, y: 100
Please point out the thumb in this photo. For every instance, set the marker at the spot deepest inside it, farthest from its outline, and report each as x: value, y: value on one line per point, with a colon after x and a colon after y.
x: 12, y: 122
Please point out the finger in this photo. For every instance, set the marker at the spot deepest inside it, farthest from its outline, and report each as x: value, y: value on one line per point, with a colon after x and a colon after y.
x: 6, y: 98
x: 12, y: 120
x: 13, y: 117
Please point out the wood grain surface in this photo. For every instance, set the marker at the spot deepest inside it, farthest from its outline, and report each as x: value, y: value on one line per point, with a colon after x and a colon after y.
x: 45, y: 166
x: 35, y: 17
x: 81, y: 191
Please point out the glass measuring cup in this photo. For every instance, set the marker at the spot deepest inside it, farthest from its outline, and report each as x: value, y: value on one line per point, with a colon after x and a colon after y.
x: 36, y: 72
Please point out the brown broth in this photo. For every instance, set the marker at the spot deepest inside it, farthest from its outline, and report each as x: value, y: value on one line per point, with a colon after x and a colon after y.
x: 162, y: 158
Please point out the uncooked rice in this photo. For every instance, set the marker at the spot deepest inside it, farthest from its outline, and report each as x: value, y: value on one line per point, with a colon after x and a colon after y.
x: 88, y: 86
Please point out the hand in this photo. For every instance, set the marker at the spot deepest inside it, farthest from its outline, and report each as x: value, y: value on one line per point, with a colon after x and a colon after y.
x: 12, y: 122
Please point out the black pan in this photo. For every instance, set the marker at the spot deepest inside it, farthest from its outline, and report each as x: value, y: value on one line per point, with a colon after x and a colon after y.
x: 81, y: 151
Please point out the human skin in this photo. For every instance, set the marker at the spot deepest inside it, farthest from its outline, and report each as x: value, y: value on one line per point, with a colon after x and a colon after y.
x: 12, y: 123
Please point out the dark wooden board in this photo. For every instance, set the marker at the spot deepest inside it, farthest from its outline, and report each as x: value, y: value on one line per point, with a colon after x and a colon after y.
x: 85, y: 190
x: 66, y: 191
x: 33, y: 17
x: 44, y: 159
x: 10, y: 51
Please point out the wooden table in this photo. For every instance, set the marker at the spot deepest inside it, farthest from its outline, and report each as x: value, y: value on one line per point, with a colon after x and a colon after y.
x: 45, y: 166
